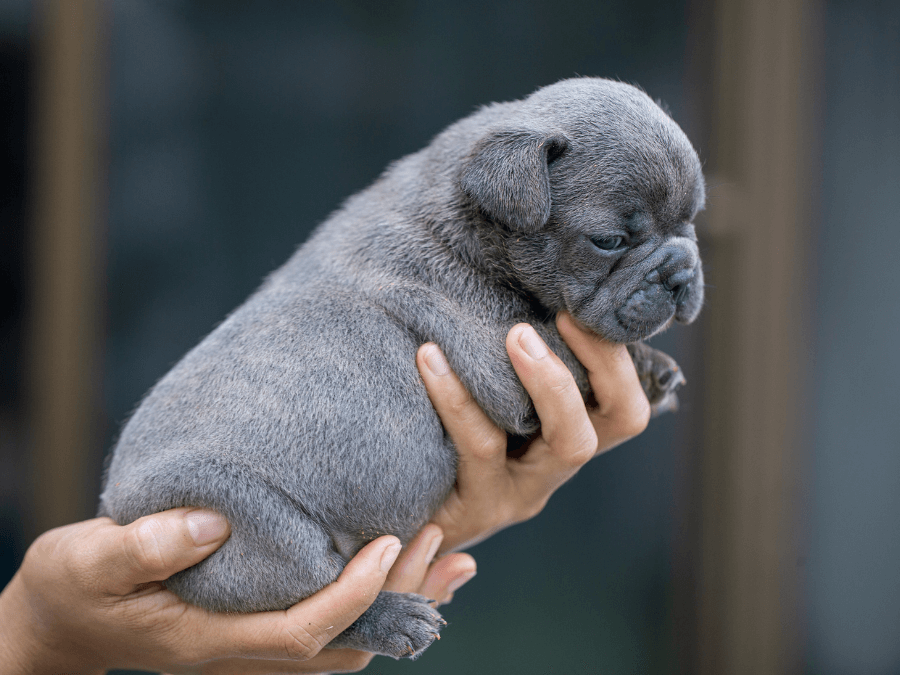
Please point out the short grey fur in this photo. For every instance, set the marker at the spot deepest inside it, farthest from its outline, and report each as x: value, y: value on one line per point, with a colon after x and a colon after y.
x: 302, y: 417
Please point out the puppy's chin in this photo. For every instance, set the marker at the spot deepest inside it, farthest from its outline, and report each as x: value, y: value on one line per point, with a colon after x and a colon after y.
x: 647, y: 311
x: 627, y: 313
x: 615, y: 329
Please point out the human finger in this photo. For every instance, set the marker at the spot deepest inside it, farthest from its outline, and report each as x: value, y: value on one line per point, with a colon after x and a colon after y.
x: 327, y: 661
x: 481, y: 445
x: 622, y: 410
x: 447, y: 575
x: 152, y: 548
x: 408, y: 572
x: 300, y: 632
x: 568, y: 439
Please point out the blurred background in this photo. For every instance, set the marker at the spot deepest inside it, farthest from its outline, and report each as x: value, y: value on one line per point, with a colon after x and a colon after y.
x: 159, y: 158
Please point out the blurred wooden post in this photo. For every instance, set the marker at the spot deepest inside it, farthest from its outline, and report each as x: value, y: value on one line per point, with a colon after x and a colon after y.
x: 65, y: 262
x: 758, y: 241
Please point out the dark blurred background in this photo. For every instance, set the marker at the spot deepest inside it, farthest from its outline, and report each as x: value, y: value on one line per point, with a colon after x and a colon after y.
x: 161, y: 157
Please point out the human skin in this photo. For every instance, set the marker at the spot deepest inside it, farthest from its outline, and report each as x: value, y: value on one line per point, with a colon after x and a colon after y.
x: 89, y: 596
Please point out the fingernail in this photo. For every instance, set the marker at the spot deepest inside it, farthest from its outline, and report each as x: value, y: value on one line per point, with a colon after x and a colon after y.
x: 433, y: 547
x: 435, y: 361
x: 389, y: 556
x: 531, y: 342
x: 205, y: 526
x: 459, y: 581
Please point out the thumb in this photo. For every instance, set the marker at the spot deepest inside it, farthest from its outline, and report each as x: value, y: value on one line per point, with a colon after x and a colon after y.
x: 155, y: 547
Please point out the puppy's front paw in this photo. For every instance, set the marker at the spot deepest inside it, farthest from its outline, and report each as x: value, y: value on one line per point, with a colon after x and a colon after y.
x: 396, y: 624
x: 660, y: 377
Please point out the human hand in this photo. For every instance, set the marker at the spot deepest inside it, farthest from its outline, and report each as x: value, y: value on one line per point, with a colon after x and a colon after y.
x: 494, y: 491
x: 88, y: 598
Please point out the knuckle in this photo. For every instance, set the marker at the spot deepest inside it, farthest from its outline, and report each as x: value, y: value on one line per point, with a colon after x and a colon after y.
x: 42, y: 548
x: 584, y: 446
x: 587, y: 449
x: 579, y: 447
x: 45, y: 548
x: 143, y: 545
x: 627, y: 417
x: 527, y: 506
x: 636, y: 417
x: 302, y: 643
x: 79, y: 563
x: 490, y: 445
x: 167, y: 630
x: 531, y: 509
x: 460, y: 405
x: 505, y: 513
x: 44, y: 544
x: 513, y: 512
x: 562, y: 385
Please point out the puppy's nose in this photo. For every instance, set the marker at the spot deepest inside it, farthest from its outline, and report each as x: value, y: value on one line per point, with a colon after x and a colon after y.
x: 678, y: 292
x: 677, y: 284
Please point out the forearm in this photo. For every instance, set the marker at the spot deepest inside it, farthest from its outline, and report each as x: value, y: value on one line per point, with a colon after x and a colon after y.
x: 23, y: 651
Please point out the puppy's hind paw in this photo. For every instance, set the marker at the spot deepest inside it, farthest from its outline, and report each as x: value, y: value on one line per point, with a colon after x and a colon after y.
x: 660, y: 377
x: 401, y: 625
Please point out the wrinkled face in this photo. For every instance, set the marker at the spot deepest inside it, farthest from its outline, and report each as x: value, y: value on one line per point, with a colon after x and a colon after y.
x: 619, y: 251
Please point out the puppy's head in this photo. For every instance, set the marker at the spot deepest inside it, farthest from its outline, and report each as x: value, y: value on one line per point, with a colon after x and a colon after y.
x: 594, y: 189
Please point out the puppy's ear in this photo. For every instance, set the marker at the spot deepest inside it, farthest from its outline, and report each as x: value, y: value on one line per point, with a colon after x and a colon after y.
x: 507, y: 176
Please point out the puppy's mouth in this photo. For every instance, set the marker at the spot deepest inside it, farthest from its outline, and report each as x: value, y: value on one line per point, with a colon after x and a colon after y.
x: 653, y: 306
x: 649, y: 309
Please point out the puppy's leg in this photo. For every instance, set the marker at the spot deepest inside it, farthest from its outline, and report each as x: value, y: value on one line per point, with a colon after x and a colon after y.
x: 278, y: 552
x: 475, y: 348
x: 660, y: 377
x: 396, y: 624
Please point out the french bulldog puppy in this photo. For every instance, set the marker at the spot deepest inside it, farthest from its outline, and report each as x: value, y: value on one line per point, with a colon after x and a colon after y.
x: 302, y: 418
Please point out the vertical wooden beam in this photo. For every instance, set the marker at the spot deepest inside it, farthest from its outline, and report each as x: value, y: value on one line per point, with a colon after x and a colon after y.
x: 65, y: 262
x: 758, y: 234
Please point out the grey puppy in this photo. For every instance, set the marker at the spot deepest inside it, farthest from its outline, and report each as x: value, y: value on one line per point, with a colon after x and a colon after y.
x: 302, y: 417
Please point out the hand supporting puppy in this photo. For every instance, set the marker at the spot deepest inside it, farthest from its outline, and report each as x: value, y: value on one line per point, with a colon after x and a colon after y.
x: 494, y: 491
x: 88, y: 597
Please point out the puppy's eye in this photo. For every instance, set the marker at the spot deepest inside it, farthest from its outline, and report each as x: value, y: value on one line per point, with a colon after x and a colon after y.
x: 608, y: 243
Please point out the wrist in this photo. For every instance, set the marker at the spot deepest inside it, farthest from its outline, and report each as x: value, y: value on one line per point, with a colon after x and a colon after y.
x: 23, y: 650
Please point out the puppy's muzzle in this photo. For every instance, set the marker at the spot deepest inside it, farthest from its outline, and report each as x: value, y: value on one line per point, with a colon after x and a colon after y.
x: 672, y: 289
